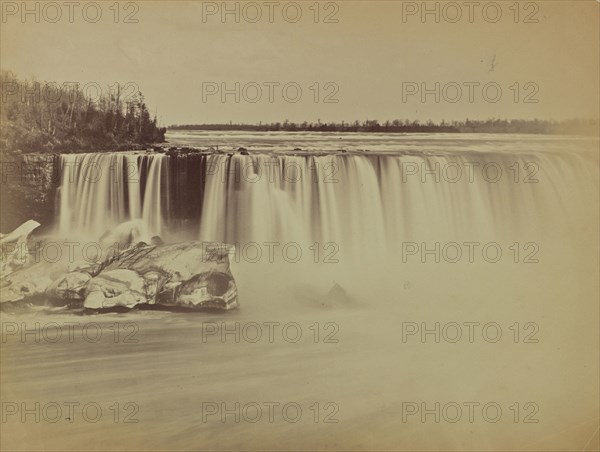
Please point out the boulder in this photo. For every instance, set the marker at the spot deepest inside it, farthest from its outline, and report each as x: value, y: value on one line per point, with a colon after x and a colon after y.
x: 187, y: 274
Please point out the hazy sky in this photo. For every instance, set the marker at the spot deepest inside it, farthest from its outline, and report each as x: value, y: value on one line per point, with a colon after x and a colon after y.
x: 374, y: 48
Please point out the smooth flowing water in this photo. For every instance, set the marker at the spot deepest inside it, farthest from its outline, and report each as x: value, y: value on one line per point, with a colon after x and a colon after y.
x: 492, y: 186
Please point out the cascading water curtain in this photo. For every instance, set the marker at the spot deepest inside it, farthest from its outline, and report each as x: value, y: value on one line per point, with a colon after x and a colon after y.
x: 363, y: 202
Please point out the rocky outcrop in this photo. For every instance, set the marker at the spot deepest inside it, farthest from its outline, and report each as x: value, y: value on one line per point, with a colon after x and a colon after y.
x: 188, y: 274
x: 29, y: 183
x: 192, y: 275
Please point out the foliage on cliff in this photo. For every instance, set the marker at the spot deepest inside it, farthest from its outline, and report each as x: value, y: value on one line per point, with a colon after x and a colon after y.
x: 48, y: 117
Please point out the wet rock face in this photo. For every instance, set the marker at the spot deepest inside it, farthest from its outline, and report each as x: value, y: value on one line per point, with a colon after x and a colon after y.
x: 28, y: 188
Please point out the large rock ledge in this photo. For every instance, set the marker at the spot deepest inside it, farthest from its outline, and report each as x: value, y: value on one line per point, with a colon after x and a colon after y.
x: 182, y: 275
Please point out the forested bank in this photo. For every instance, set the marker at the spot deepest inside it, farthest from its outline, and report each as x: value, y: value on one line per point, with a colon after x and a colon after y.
x: 51, y: 117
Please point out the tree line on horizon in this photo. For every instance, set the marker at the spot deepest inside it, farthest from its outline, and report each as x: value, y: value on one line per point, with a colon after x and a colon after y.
x: 47, y: 117
x: 538, y: 126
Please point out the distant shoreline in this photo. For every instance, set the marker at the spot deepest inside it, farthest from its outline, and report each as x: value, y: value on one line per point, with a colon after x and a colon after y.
x: 523, y: 126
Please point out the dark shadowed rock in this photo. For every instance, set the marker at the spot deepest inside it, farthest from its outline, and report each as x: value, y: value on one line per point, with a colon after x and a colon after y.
x: 156, y: 240
x: 338, y: 296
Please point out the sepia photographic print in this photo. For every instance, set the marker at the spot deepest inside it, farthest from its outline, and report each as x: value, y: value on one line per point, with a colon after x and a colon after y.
x: 299, y: 225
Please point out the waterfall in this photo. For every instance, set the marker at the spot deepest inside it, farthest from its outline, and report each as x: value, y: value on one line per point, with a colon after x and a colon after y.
x: 361, y: 201
x: 100, y: 191
x: 152, y: 211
